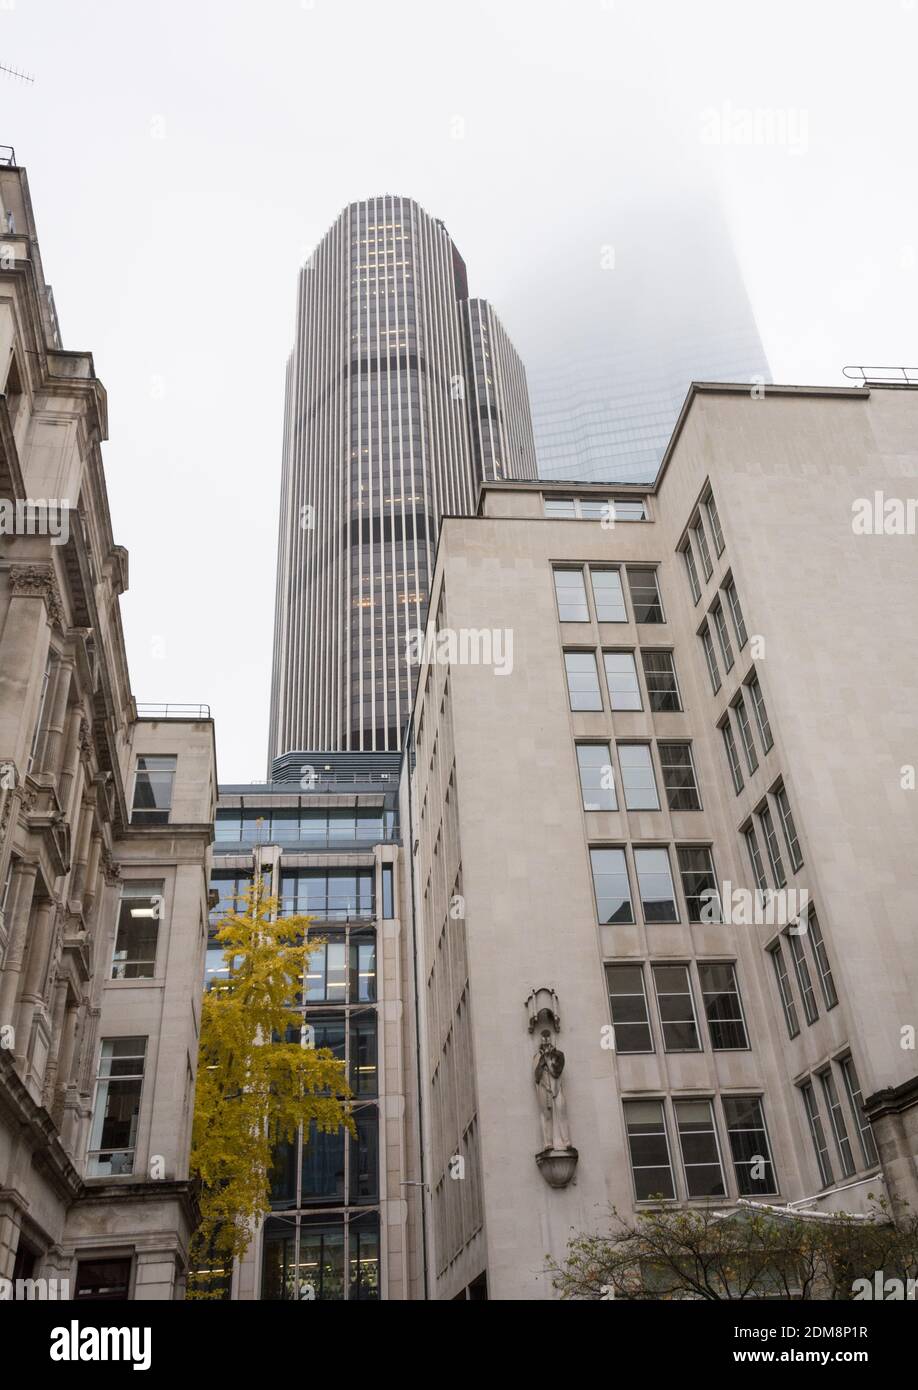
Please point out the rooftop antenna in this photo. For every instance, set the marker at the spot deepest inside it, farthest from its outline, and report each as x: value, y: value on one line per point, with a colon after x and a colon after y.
x: 14, y: 72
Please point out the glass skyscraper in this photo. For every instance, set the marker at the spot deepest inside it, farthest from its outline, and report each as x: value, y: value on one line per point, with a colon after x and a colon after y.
x: 402, y: 396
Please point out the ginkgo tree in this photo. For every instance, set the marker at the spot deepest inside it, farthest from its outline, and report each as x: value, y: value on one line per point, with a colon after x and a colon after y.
x: 259, y: 1079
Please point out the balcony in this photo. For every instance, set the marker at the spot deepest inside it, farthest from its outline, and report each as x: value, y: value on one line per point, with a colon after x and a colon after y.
x: 170, y: 711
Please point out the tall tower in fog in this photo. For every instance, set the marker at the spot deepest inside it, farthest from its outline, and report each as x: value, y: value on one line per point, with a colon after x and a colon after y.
x: 402, y: 396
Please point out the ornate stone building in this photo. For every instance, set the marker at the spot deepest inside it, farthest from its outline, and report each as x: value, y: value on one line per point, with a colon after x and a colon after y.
x: 105, y: 827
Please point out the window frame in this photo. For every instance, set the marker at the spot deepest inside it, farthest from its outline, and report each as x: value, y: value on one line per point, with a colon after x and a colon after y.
x: 688, y: 992
x: 701, y: 966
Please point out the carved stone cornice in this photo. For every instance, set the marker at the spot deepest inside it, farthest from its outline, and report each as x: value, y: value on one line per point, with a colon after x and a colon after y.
x: 111, y: 871
x: 38, y: 581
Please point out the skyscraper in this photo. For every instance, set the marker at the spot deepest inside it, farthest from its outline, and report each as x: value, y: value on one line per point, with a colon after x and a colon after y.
x: 402, y: 395
x: 638, y: 304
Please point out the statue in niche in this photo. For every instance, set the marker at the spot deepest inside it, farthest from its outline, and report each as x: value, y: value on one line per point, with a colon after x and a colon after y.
x: 548, y: 1064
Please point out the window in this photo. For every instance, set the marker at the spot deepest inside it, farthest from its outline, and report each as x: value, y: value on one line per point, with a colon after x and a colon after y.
x: 560, y: 506
x: 582, y: 680
x: 714, y: 519
x: 856, y: 1101
x: 597, y: 777
x: 701, y: 541
x: 696, y: 867
x: 104, y: 1281
x: 608, y: 596
x: 388, y: 891
x: 116, y: 1108
x: 645, y: 595
x: 837, y: 1117
x: 660, y: 675
x: 737, y: 614
x: 704, y: 1176
x: 676, y: 1008
x: 752, y: 757
x: 804, y: 979
x: 648, y: 1145
x: 691, y: 570
x: 755, y: 1174
x: 331, y: 894
x: 820, y: 956
x: 723, y: 1007
x: 755, y: 858
x: 761, y: 717
x: 638, y: 782
x: 736, y: 773
x: 655, y: 883
x: 710, y: 656
x: 608, y: 509
x: 817, y: 1133
x: 784, y: 989
x: 570, y: 591
x: 679, y: 778
x: 771, y: 844
x: 723, y: 633
x: 628, y: 1003
x: 138, y: 922
x: 153, y: 790
x: 790, y: 830
x: 622, y: 679
x: 628, y: 509
x: 611, y: 886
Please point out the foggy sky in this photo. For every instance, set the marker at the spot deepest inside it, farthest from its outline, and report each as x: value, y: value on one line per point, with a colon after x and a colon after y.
x: 184, y: 158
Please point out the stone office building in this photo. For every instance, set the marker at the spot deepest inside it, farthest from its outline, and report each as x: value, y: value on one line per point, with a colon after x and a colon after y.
x: 106, y: 815
x: 324, y: 834
x: 665, y: 820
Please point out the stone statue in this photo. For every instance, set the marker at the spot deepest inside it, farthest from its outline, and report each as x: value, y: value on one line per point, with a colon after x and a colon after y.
x: 548, y: 1065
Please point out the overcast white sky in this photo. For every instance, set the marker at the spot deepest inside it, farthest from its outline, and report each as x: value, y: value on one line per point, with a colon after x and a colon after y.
x: 185, y: 155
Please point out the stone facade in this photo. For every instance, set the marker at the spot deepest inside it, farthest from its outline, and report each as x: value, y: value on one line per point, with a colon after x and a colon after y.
x: 780, y: 1053
x: 79, y: 843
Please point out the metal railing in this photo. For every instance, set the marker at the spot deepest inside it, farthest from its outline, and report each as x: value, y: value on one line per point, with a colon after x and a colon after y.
x: 169, y: 711
x: 263, y: 835
x: 907, y: 375
x: 7, y: 155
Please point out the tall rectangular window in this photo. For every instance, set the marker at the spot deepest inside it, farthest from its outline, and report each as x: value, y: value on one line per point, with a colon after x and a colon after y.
x: 116, y: 1107
x: 628, y: 1003
x: 785, y: 993
x: 139, y: 917
x: 837, y: 1118
x: 559, y: 507
x: 570, y: 592
x: 761, y: 716
x: 752, y: 757
x: 771, y: 844
x: 710, y: 656
x: 597, y: 777
x: 714, y: 519
x: 660, y: 676
x: 648, y: 1146
x: 622, y: 678
x: 702, y: 897
x: 701, y: 541
x: 790, y: 830
x: 645, y: 594
x: 388, y: 891
x: 733, y: 761
x: 752, y: 1163
x: 679, y: 779
x: 153, y: 786
x: 676, y: 1008
x: 638, y: 782
x: 722, y: 1006
x: 821, y: 958
x: 804, y: 979
x: 817, y: 1134
x: 691, y: 570
x: 737, y: 614
x: 755, y: 858
x: 655, y: 882
x: 611, y: 886
x: 608, y: 597
x: 704, y: 1176
x: 582, y: 680
x: 723, y: 633
x: 856, y: 1101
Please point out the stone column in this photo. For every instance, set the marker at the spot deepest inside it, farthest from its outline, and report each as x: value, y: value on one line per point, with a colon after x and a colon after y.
x: 51, y: 752
x: 71, y: 760
x: 81, y: 851
x: 19, y: 911
x: 33, y: 979
x: 58, y: 1013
